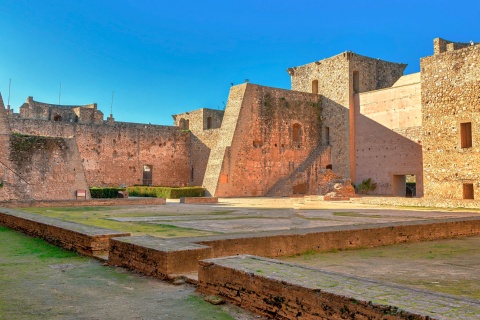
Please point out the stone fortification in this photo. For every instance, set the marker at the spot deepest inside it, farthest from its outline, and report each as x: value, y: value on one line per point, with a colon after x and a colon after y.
x: 116, y: 153
x: 337, y: 79
x: 204, y: 125
x: 268, y: 138
x: 450, y: 82
x: 347, y: 116
x: 32, y: 109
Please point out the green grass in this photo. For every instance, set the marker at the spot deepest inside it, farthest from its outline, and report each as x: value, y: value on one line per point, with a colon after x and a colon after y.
x: 101, y: 217
x: 356, y: 215
x: 205, y: 308
x: 41, y: 281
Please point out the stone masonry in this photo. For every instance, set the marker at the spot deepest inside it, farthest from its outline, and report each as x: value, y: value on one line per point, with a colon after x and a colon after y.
x: 349, y: 116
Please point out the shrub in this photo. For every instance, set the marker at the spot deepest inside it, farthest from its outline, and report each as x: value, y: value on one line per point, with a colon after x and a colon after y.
x: 365, y: 186
x: 105, y: 192
x: 166, y: 192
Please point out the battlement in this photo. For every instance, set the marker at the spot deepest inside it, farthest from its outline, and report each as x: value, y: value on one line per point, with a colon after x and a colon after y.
x: 441, y: 45
x: 32, y: 109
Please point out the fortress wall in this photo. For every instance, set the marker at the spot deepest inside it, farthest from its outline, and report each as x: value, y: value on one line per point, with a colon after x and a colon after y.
x: 388, y: 136
x: 450, y: 83
x: 205, y: 133
x: 114, y: 154
x: 332, y: 76
x: 44, y: 168
x: 275, y: 132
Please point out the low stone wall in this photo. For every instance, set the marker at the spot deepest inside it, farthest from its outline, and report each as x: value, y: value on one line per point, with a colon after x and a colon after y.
x: 163, y: 257
x: 418, y: 202
x: 81, y: 203
x: 87, y: 240
x: 285, y: 291
x: 198, y: 200
x: 155, y: 256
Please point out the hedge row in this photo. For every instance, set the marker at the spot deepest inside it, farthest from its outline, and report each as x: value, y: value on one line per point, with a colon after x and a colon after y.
x: 166, y: 192
x: 105, y: 192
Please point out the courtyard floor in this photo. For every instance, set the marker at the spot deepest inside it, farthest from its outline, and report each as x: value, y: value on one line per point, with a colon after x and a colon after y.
x: 73, y: 287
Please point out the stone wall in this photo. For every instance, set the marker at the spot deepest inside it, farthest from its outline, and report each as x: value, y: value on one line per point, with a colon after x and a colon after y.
x: 275, y: 132
x: 336, y: 79
x: 388, y: 136
x: 115, y: 153
x: 44, y: 168
x: 5, y: 172
x: 87, y: 240
x: 450, y: 83
x: 283, y: 291
x: 32, y: 109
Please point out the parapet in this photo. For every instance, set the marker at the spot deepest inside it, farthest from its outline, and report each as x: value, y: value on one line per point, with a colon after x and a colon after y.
x: 441, y: 45
x: 32, y: 109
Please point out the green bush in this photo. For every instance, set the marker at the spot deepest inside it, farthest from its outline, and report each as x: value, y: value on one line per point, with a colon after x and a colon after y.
x: 365, y: 186
x: 105, y: 192
x: 166, y: 192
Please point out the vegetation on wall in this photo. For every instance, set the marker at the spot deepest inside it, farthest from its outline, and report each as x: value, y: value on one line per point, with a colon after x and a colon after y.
x: 22, y: 147
x: 102, y: 193
x: 166, y: 192
x: 365, y: 186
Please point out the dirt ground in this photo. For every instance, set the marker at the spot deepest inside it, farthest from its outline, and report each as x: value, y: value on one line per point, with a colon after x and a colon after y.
x: 40, y: 281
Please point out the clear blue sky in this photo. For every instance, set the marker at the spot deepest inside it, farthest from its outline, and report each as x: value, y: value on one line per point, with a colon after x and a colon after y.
x: 167, y: 57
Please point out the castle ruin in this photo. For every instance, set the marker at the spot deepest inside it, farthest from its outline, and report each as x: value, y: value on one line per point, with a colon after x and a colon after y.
x: 346, y: 118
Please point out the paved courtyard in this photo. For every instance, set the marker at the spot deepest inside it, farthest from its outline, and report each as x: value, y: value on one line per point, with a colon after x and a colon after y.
x: 241, y: 215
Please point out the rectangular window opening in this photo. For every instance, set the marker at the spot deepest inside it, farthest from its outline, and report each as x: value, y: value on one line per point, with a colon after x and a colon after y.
x: 466, y: 134
x: 468, y: 191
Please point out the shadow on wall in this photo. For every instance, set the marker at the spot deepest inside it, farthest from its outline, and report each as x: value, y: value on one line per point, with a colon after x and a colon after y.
x: 386, y: 156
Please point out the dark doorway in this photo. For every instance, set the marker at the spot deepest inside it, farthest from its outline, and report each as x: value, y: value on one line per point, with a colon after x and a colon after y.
x: 147, y: 175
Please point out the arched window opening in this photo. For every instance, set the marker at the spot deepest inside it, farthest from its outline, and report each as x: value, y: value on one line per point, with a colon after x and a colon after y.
x: 315, y: 86
x: 57, y: 118
x: 187, y: 124
x: 297, y: 133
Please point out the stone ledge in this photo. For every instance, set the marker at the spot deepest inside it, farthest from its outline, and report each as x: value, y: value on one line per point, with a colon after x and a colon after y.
x: 87, y: 240
x: 157, y: 257
x: 285, y: 291
x: 79, y: 203
x: 198, y: 200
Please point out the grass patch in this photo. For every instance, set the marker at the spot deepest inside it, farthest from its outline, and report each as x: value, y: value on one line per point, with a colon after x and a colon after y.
x: 205, y: 308
x: 356, y: 215
x: 102, y: 217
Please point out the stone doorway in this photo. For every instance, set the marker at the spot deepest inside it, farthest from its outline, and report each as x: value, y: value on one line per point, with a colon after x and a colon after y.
x: 404, y: 185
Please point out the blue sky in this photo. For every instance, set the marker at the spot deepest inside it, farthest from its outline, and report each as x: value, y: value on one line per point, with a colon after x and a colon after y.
x: 167, y: 57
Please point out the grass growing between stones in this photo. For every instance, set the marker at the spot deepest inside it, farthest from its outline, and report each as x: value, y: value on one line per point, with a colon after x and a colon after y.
x: 356, y: 215
x: 41, y: 281
x: 101, y: 217
x: 444, y: 266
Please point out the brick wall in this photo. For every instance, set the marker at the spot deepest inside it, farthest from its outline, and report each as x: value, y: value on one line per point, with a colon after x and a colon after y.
x: 450, y: 83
